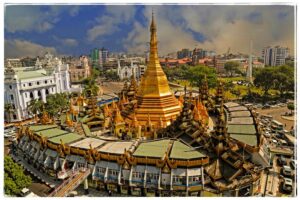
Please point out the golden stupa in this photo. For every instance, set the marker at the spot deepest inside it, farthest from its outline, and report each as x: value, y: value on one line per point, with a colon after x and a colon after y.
x: 154, y: 97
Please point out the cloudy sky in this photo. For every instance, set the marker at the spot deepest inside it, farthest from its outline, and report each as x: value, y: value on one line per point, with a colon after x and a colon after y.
x: 30, y: 30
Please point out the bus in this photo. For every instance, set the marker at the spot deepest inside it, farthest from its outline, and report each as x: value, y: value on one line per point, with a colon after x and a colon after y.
x: 277, y: 126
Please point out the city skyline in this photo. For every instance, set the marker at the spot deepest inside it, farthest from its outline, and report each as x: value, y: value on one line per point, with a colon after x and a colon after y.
x: 76, y: 29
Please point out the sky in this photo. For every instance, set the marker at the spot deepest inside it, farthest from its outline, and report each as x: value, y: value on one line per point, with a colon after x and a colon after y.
x: 32, y: 30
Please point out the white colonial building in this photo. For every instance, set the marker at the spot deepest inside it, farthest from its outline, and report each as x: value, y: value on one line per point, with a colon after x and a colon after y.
x: 126, y: 71
x: 21, y: 85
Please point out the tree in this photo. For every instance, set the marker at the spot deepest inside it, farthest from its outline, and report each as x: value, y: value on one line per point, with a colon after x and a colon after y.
x: 91, y: 86
x: 95, y: 73
x: 265, y: 79
x: 291, y: 107
x: 111, y: 74
x: 232, y: 67
x: 35, y: 106
x: 197, y: 73
x: 8, y: 109
x: 57, y: 103
x: 14, y: 178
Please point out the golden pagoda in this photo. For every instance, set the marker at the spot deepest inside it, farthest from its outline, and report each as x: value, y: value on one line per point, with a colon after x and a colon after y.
x: 154, y: 96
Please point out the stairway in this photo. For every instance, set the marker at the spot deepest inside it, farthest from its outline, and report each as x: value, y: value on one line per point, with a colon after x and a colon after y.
x: 71, y: 183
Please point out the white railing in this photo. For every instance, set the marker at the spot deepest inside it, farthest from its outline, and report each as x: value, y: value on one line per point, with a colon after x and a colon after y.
x: 74, y: 173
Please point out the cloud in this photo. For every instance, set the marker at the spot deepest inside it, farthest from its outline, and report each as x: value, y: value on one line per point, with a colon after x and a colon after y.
x: 220, y: 26
x: 110, y: 21
x: 69, y: 42
x: 21, y: 48
x: 35, y: 17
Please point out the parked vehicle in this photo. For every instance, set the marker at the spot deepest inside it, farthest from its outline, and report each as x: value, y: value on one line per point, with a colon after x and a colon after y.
x: 287, y: 171
x: 292, y: 164
x: 266, y: 106
x: 281, y: 161
x: 287, y: 185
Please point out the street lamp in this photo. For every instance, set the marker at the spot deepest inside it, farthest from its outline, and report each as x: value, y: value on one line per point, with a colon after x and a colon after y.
x: 266, y: 183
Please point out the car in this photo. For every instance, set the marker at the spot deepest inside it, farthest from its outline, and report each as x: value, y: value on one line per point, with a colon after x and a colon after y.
x: 287, y: 185
x: 267, y: 134
x: 287, y: 171
x: 275, y: 141
x: 292, y: 164
x: 266, y: 106
x: 281, y: 161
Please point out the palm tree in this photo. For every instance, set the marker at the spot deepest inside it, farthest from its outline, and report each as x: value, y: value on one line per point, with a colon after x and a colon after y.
x: 8, y: 110
x: 91, y: 86
x: 35, y: 106
x: 57, y: 103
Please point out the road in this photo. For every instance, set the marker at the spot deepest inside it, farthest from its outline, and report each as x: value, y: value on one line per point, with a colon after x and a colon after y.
x: 276, y: 113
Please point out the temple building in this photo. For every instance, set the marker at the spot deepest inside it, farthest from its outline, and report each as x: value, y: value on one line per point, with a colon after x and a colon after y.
x: 154, y: 99
x: 149, y: 143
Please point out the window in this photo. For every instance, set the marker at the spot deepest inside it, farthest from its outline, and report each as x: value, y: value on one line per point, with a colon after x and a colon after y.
x: 138, y: 175
x: 24, y: 85
x: 31, y: 95
x: 152, y: 176
x: 194, y: 178
x: 11, y: 97
x: 10, y: 87
x: 81, y: 164
x: 30, y: 84
x: 47, y: 91
x: 46, y: 82
x: 38, y: 83
x: 177, y: 179
x: 15, y: 116
x: 13, y: 106
x: 112, y: 172
x: 101, y: 170
x: 25, y: 94
x: 39, y: 93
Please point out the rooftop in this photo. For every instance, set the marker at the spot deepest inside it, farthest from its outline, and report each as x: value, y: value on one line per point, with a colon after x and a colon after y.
x: 115, y: 147
x: 155, y: 149
x: 247, y: 139
x: 241, y: 129
x: 86, y: 142
x: 66, y: 138
x: 41, y: 127
x: 50, y: 133
x: 182, y: 151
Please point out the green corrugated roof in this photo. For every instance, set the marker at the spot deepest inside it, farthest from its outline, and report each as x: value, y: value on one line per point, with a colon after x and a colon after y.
x: 241, y: 129
x: 155, y: 149
x: 66, y: 138
x: 49, y: 133
x: 24, y: 74
x: 86, y: 129
x: 247, y: 139
x: 182, y: 151
x: 41, y: 127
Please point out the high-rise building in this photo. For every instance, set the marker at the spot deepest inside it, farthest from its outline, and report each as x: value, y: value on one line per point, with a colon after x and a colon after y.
x: 274, y: 56
x: 95, y: 57
x: 184, y: 53
x: 103, y: 56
